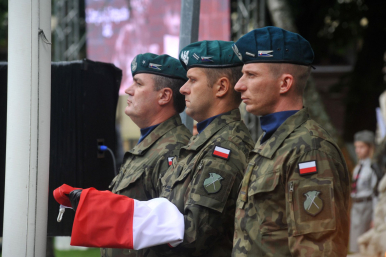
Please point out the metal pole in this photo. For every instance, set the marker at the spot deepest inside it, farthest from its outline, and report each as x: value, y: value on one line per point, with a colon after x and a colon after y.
x: 190, y: 18
x: 28, y: 129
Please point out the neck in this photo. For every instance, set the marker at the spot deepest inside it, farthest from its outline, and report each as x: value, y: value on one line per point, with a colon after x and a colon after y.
x: 216, y: 109
x: 145, y: 122
x: 288, y: 106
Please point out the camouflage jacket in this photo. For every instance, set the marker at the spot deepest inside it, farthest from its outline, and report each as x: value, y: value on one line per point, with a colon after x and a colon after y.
x: 294, y: 195
x: 145, y: 164
x: 204, y: 184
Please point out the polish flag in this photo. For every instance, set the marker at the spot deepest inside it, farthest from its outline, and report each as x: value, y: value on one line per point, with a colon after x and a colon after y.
x: 221, y: 152
x: 307, y: 168
x: 104, y: 219
x: 170, y: 160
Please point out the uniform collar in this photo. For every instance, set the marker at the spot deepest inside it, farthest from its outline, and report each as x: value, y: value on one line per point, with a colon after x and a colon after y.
x: 145, y: 132
x: 271, y: 122
x: 217, y: 124
x: 275, y: 141
x: 154, y: 135
x: 203, y: 124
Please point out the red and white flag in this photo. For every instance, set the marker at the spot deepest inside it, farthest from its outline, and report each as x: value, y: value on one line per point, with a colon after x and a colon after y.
x: 170, y: 160
x: 221, y: 152
x: 104, y: 219
x: 306, y: 168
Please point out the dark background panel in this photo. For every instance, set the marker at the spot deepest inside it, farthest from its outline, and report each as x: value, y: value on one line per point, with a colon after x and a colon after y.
x: 84, y: 101
x: 84, y: 96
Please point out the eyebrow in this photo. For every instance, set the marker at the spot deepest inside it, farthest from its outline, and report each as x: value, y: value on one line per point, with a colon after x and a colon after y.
x: 137, y: 79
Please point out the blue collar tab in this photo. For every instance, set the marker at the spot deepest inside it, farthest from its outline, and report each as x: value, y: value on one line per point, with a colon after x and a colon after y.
x: 203, y: 124
x: 145, y: 132
x: 271, y: 122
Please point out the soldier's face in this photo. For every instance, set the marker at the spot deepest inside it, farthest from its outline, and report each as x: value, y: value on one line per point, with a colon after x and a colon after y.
x: 259, y: 88
x: 142, y: 99
x: 362, y: 150
x: 199, y: 97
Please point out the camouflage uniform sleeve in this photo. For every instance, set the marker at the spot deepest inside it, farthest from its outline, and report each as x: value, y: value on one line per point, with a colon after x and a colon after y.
x: 317, y: 199
x: 210, y: 208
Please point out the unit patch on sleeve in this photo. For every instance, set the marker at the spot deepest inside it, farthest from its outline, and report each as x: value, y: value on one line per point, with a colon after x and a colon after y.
x: 313, y: 205
x: 306, y: 168
x: 221, y: 152
x: 212, y: 184
x: 170, y: 160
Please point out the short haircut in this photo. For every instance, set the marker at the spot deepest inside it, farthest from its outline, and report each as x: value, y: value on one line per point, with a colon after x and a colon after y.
x: 232, y: 73
x: 299, y: 72
x: 174, y: 84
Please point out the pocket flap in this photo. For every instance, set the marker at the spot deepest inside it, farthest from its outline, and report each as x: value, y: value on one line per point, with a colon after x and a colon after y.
x: 264, y: 183
x: 129, y: 179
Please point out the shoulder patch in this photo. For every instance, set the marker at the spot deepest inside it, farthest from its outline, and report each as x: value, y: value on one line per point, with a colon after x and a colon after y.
x: 313, y: 205
x: 212, y: 184
x: 221, y: 152
x: 306, y: 168
x: 170, y: 160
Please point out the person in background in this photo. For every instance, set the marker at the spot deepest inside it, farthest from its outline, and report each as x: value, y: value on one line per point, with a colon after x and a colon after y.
x: 363, y: 188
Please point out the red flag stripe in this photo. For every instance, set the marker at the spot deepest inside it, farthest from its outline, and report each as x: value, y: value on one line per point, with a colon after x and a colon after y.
x: 308, y: 170
x: 221, y: 154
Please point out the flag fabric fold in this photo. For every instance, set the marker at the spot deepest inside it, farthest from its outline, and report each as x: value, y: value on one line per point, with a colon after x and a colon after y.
x: 105, y: 219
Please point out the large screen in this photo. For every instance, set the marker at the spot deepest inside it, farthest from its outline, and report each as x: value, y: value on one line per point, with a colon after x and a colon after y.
x: 118, y: 30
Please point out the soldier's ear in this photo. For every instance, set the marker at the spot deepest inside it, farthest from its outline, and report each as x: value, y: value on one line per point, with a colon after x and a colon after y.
x: 221, y: 87
x: 165, y: 96
x: 286, y: 83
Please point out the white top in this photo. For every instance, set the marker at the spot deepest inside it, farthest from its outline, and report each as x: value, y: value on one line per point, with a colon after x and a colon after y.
x: 367, y: 181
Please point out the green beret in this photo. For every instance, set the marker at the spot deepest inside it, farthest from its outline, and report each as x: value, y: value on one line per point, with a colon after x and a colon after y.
x: 209, y: 54
x: 274, y: 45
x: 364, y: 136
x: 163, y: 65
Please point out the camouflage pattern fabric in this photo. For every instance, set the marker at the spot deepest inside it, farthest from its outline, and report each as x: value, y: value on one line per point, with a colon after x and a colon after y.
x: 204, y: 188
x: 281, y: 212
x: 145, y: 164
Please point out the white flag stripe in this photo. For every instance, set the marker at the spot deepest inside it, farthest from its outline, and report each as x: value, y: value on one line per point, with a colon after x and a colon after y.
x: 156, y: 222
x: 170, y: 159
x: 307, y: 165
x: 223, y: 150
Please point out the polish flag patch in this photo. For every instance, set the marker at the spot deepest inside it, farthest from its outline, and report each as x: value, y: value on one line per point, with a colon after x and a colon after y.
x: 221, y: 152
x: 170, y: 160
x: 306, y: 168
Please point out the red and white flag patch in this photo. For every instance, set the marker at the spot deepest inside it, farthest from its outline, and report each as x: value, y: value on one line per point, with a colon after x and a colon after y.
x: 170, y: 160
x: 306, y: 168
x: 221, y: 152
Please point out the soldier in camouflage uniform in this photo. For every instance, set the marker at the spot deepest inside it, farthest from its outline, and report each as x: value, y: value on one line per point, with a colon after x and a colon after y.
x: 203, y: 182
x: 153, y: 99
x: 295, y: 192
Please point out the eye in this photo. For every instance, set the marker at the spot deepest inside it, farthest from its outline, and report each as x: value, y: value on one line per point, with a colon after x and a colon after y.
x: 250, y: 75
x: 192, y: 80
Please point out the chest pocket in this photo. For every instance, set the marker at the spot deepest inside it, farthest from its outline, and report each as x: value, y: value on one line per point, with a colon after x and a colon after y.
x: 130, y: 177
x: 263, y: 183
x: 175, y: 175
